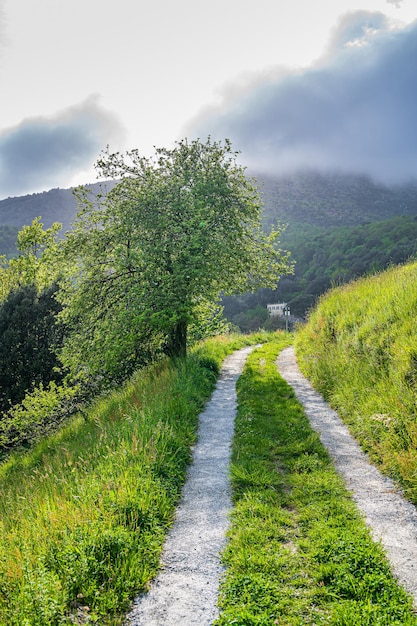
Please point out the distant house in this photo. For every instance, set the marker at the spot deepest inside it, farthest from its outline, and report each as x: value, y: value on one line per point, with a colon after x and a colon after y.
x: 279, y: 309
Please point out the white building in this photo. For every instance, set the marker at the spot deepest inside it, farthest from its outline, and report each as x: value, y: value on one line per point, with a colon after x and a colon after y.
x: 279, y: 309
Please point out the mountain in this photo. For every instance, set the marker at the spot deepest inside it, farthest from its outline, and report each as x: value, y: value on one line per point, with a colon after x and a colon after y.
x: 338, y: 227
x: 330, y: 200
x: 56, y: 205
x: 321, y: 200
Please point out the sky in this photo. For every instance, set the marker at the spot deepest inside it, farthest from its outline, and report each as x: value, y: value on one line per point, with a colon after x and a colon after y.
x: 328, y: 84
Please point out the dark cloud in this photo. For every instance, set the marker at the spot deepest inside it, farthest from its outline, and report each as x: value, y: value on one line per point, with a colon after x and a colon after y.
x: 41, y: 153
x: 354, y: 110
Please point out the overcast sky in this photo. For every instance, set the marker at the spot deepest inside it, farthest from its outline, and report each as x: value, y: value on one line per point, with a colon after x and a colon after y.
x: 294, y: 84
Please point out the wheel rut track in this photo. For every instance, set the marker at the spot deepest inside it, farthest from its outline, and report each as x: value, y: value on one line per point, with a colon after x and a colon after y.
x: 186, y: 589
x: 390, y: 517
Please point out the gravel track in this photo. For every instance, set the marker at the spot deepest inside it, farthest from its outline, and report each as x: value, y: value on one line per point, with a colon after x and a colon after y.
x: 186, y: 590
x: 391, y: 519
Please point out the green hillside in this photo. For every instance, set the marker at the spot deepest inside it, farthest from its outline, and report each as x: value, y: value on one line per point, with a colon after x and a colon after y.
x: 320, y: 200
x: 8, y: 237
x: 359, y: 349
x: 339, y: 227
x: 325, y: 258
x: 329, y: 200
x: 333, y: 256
x: 55, y: 205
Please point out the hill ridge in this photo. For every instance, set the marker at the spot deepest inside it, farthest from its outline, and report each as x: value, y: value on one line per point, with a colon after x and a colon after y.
x: 309, y: 197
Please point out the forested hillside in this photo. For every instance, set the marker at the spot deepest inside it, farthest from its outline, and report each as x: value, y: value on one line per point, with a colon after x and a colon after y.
x: 8, y: 237
x: 339, y: 227
x: 56, y: 205
x: 330, y: 200
x: 309, y: 198
x: 324, y: 258
x: 335, y: 256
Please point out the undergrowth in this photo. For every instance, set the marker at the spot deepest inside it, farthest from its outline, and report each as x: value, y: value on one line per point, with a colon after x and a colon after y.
x: 298, y: 552
x: 83, y: 515
x: 359, y: 349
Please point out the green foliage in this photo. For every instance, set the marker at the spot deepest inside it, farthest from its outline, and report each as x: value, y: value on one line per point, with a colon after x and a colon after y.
x: 39, y: 412
x: 334, y: 200
x: 30, y: 333
x: 298, y: 551
x: 251, y: 319
x: 36, y: 264
x: 325, y: 257
x: 359, y: 349
x: 154, y: 254
x: 83, y: 515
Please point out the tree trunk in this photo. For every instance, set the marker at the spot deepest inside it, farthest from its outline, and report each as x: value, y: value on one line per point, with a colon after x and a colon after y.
x: 177, y: 340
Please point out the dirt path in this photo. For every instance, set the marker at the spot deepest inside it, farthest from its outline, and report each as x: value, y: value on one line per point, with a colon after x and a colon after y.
x: 186, y: 591
x: 392, y: 519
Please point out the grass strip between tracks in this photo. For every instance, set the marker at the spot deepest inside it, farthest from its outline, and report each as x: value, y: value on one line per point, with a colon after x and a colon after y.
x: 299, y: 552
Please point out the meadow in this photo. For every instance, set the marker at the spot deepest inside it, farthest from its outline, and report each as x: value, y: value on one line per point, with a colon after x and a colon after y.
x: 359, y: 349
x: 83, y: 515
x: 299, y: 553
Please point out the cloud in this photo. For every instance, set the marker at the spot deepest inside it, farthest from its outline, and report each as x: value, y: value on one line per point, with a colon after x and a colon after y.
x: 354, y: 110
x: 3, y: 36
x: 46, y: 152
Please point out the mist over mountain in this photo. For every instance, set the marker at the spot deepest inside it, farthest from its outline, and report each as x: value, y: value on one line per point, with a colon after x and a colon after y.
x: 324, y: 200
x: 338, y: 227
x: 333, y: 199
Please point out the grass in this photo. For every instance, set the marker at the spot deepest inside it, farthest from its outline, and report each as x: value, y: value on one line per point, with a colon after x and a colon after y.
x: 359, y: 349
x: 298, y: 551
x: 83, y: 515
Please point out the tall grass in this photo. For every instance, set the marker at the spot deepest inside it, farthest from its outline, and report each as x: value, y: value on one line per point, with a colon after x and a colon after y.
x: 359, y: 349
x: 298, y: 551
x: 84, y: 514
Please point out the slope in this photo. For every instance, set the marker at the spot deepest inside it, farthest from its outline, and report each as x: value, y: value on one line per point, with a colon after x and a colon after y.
x: 359, y: 349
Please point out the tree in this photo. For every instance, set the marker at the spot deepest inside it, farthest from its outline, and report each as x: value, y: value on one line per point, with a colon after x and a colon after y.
x: 36, y: 263
x: 30, y: 333
x: 174, y: 233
